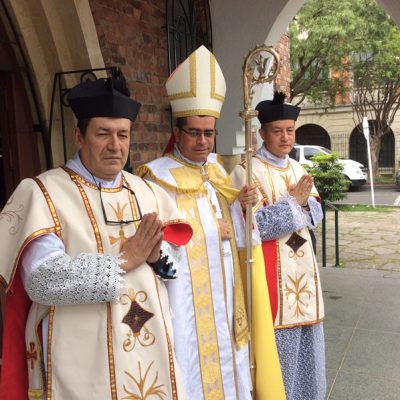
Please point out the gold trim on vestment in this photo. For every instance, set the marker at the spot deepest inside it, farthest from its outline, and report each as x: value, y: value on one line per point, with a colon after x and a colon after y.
x: 315, y: 278
x: 49, y: 362
x: 240, y: 325
x: 50, y: 204
x: 192, y: 91
x: 269, y: 173
x: 111, y: 362
x: 269, y: 165
x: 214, y: 94
x: 170, y: 351
x: 76, y: 177
x: 34, y: 235
x: 35, y: 394
x: 90, y: 213
x: 96, y: 231
x: 238, y: 322
x: 193, y: 177
x: 207, y: 339
x: 299, y: 324
x: 199, y: 111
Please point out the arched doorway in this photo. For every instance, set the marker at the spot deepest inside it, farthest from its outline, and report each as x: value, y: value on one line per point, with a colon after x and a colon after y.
x: 358, y: 150
x: 313, y: 134
x: 19, y: 152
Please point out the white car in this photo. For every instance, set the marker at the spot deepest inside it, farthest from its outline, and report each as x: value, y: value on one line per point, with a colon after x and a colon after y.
x: 354, y: 171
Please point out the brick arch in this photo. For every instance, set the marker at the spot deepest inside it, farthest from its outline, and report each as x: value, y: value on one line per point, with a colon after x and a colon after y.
x: 55, y: 36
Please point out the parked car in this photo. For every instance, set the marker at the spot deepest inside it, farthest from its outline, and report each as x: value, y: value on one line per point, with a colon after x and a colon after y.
x: 354, y: 171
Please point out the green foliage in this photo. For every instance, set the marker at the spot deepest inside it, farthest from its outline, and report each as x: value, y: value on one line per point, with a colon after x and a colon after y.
x: 328, y: 177
x: 327, y: 38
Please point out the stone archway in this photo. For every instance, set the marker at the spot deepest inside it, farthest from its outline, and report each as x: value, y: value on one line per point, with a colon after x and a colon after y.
x: 313, y: 134
x: 19, y: 145
x: 55, y: 36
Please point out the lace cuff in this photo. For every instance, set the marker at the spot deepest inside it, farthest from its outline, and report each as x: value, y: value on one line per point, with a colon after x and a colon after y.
x: 281, y: 218
x: 315, y: 213
x: 166, y: 266
x: 85, y: 279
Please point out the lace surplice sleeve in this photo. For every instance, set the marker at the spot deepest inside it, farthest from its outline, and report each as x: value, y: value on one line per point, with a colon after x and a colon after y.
x: 286, y: 216
x: 52, y: 277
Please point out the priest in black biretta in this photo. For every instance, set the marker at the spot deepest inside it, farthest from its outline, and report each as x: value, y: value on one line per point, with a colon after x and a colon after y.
x: 276, y: 109
x: 103, y: 98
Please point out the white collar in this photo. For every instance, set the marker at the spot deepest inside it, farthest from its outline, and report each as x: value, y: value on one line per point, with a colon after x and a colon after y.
x: 77, y: 166
x: 180, y: 155
x: 266, y: 155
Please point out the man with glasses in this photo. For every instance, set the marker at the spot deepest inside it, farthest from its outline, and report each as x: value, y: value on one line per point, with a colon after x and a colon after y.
x: 91, y: 245
x: 287, y: 206
x: 207, y: 299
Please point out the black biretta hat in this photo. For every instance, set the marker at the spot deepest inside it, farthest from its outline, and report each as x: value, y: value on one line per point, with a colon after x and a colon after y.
x: 103, y: 98
x: 276, y: 109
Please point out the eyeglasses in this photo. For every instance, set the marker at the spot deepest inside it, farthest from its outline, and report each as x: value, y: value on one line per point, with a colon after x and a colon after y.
x: 121, y: 222
x: 196, y: 133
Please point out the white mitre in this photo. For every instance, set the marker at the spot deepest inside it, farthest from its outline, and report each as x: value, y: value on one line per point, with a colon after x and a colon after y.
x: 197, y: 86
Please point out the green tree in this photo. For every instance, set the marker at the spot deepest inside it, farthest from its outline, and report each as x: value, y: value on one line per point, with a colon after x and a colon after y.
x: 328, y: 177
x: 348, y: 51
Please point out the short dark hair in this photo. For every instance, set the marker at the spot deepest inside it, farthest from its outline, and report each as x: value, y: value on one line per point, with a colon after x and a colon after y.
x: 82, y: 125
x: 180, y: 122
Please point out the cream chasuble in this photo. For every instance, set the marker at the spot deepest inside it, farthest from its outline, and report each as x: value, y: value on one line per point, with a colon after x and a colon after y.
x: 116, y: 350
x: 207, y: 300
x: 299, y: 291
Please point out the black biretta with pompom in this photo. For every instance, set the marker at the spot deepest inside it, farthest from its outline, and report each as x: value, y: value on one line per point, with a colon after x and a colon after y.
x: 276, y: 109
x: 103, y: 98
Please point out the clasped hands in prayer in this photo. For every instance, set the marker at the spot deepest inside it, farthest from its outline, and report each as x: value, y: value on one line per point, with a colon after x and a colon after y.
x: 302, y: 189
x: 145, y: 244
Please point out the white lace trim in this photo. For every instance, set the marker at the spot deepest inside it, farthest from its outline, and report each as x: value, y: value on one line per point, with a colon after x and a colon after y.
x: 281, y: 218
x: 85, y: 279
x: 315, y: 212
x: 173, y: 255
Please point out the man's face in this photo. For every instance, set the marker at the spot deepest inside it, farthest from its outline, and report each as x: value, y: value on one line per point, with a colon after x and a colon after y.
x: 279, y: 137
x: 199, y: 142
x: 104, y: 148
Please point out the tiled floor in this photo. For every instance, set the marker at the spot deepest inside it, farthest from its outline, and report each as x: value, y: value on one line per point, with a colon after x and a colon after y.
x: 362, y: 333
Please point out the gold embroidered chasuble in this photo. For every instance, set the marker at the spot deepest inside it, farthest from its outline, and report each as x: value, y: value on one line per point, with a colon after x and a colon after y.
x: 299, y: 291
x: 116, y: 350
x: 209, y: 334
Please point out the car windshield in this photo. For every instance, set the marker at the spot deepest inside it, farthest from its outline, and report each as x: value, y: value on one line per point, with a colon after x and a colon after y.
x: 326, y: 150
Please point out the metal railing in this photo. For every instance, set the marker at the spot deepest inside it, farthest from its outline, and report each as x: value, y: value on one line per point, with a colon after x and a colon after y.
x: 325, y: 204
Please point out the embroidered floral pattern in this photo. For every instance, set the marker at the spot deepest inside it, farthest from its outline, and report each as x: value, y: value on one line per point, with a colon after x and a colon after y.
x: 296, y: 293
x: 31, y: 354
x: 144, y: 389
x: 295, y: 242
x: 136, y: 318
x: 121, y: 238
x: 12, y: 216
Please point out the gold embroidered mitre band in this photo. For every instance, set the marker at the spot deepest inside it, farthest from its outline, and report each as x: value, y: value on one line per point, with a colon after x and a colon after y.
x: 197, y: 86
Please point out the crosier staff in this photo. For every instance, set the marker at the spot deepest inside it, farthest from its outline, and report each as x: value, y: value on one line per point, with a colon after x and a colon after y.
x: 254, y: 73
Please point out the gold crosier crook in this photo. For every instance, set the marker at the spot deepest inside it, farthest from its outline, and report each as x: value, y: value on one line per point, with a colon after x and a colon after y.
x: 254, y: 73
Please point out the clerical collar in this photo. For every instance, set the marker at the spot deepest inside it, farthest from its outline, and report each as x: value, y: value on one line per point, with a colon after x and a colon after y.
x: 77, y: 166
x: 267, y: 156
x: 180, y: 155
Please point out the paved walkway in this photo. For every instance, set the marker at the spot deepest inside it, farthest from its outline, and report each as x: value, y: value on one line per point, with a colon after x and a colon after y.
x: 362, y: 304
